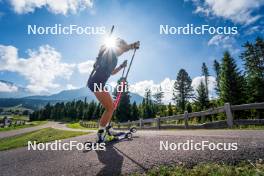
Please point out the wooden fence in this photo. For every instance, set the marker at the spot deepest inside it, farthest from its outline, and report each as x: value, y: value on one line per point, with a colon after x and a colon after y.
x: 13, y: 123
x: 227, y: 109
x: 88, y: 124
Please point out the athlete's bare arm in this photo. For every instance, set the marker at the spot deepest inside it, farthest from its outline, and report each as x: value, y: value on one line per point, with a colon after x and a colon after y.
x: 117, y: 69
x: 122, y: 49
x: 126, y: 47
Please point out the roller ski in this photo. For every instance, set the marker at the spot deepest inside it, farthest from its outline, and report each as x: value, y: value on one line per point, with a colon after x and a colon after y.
x: 121, y: 135
x: 109, y: 136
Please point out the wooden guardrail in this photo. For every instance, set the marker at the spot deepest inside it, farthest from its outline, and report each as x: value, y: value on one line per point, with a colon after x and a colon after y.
x: 88, y: 124
x: 12, y: 123
x: 227, y: 109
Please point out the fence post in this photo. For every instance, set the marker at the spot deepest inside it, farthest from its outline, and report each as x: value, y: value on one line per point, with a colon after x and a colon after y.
x: 129, y: 124
x: 158, y: 123
x: 118, y: 126
x: 140, y: 123
x: 186, y: 119
x: 229, y: 116
x: 203, y: 119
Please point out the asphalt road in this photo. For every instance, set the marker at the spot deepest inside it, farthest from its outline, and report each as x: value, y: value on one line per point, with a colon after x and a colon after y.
x: 138, y: 155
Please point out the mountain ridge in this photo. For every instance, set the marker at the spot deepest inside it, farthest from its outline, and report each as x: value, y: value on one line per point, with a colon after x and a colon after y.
x: 38, y: 101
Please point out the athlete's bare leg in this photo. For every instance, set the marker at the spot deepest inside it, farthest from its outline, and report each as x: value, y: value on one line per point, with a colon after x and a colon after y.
x: 107, y: 102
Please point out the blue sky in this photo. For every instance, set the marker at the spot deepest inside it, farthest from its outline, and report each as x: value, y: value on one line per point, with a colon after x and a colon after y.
x: 160, y: 56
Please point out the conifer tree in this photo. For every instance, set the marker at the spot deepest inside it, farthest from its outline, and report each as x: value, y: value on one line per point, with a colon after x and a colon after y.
x: 205, y: 73
x: 148, y: 106
x: 158, y: 96
x: 123, y: 111
x: 201, y: 98
x: 183, y: 90
x: 170, y: 110
x: 217, y: 70
x: 253, y: 58
x: 134, y: 111
x: 231, y: 81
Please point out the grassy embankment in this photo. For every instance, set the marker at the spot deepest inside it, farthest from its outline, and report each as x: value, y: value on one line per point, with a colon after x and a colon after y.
x: 76, y: 125
x: 16, y: 117
x: 28, y: 124
x: 40, y: 136
x: 209, y: 169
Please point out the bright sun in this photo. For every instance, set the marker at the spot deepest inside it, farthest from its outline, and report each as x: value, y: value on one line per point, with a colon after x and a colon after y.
x: 110, y: 42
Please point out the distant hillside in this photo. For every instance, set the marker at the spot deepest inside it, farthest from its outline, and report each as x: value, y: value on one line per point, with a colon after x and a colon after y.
x: 66, y: 95
x: 38, y: 101
x: 77, y: 94
x: 27, y: 103
x: 18, y: 91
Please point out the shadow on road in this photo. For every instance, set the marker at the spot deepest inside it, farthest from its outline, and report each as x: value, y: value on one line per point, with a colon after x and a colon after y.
x: 112, y: 161
x: 131, y: 159
x: 113, y: 158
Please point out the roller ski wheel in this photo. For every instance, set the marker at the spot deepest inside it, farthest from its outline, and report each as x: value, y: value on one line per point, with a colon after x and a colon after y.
x: 129, y: 135
x: 133, y: 130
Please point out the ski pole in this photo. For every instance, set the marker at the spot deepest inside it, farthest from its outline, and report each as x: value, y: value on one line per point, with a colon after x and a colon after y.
x: 131, y: 63
x: 119, y: 95
x: 112, y: 29
x: 123, y: 72
x: 123, y: 82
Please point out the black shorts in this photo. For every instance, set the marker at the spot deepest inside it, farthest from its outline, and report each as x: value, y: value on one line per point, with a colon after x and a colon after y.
x: 97, y: 80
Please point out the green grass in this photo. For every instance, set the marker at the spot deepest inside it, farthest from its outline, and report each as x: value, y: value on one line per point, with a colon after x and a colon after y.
x: 14, y: 108
x: 20, y: 117
x: 40, y: 136
x: 29, y: 124
x: 76, y: 125
x: 15, y: 117
x: 249, y: 127
x: 209, y: 169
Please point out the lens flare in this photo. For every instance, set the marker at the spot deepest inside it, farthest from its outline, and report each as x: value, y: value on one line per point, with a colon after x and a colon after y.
x: 110, y: 42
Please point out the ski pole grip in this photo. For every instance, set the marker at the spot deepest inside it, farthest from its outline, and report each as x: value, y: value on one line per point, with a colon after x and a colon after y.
x: 112, y: 29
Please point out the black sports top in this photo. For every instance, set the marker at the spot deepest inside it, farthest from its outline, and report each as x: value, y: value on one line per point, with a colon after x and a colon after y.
x: 104, y: 66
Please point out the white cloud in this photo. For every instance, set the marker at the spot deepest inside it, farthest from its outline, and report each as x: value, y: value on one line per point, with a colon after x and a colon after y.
x: 166, y: 85
x: 254, y: 29
x: 41, y: 68
x: 200, y: 9
x: 226, y: 42
x: 7, y: 87
x: 217, y: 39
x: 54, y: 6
x: 71, y: 87
x: 86, y: 67
x: 238, y: 11
x: 211, y: 84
